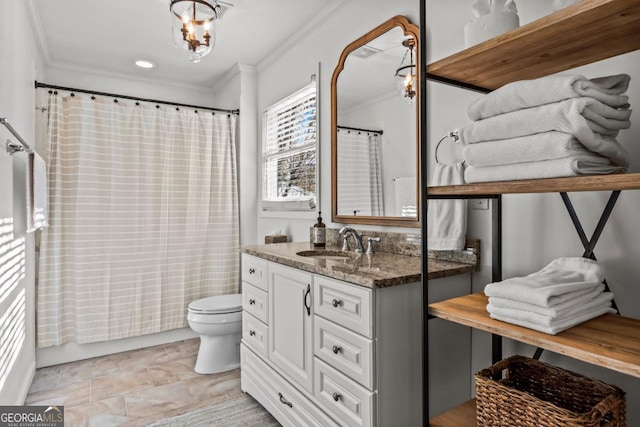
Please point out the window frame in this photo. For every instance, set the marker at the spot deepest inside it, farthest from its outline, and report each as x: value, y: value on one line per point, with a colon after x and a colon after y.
x: 292, y: 203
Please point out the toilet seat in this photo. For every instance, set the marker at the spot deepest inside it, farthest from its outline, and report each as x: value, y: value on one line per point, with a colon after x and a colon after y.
x: 218, y: 304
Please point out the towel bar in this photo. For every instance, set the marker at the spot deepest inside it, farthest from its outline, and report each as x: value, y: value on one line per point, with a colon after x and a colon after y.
x: 13, y: 147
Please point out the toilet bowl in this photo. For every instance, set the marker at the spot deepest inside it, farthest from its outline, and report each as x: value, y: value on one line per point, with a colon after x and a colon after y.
x: 218, y: 321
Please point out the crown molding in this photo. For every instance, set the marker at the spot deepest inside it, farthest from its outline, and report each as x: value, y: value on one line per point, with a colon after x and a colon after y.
x: 38, y: 31
x: 331, y: 9
x: 232, y: 73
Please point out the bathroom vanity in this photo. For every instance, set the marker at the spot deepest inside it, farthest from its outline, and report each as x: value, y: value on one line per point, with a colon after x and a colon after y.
x: 334, y: 338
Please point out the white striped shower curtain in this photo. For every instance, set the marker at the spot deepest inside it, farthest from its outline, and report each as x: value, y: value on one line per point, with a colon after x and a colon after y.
x: 359, y: 174
x: 143, y: 216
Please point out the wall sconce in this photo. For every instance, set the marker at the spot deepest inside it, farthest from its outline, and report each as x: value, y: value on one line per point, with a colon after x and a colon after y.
x: 406, y: 74
x: 193, y: 23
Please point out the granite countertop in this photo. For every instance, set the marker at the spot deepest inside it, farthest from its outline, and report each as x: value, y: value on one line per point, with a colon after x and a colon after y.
x: 382, y: 269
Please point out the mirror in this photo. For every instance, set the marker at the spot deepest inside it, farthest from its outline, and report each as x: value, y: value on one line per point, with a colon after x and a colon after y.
x: 375, y: 128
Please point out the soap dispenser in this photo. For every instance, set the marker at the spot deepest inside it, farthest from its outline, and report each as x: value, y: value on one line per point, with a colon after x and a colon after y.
x: 319, y: 233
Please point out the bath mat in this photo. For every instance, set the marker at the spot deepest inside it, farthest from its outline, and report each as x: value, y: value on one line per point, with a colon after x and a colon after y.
x: 242, y: 411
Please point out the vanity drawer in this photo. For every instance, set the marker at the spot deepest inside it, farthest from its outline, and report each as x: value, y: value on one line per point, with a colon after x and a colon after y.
x: 281, y: 399
x: 255, y: 301
x: 348, y: 352
x: 353, y: 404
x: 345, y: 304
x: 254, y: 271
x: 255, y: 333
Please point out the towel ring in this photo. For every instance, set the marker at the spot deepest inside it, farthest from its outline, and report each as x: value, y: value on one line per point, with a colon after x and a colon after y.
x: 455, y: 135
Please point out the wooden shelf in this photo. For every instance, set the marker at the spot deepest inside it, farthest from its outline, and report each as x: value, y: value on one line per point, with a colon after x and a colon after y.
x: 587, y: 32
x: 460, y: 416
x: 627, y: 181
x: 611, y: 341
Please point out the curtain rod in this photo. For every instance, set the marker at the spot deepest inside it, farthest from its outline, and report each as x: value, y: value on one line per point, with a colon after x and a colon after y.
x: 361, y: 130
x: 113, y: 95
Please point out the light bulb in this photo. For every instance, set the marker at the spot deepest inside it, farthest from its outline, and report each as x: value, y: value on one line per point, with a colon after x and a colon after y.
x: 207, y: 25
x: 185, y: 18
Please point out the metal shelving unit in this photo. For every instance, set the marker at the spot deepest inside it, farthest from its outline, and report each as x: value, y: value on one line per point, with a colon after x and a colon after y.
x: 589, y: 31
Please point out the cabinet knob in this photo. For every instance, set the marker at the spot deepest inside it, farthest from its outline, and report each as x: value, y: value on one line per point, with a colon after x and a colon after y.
x: 336, y: 302
x: 252, y: 301
x: 337, y: 396
x: 336, y: 349
x: 252, y: 333
x: 252, y: 270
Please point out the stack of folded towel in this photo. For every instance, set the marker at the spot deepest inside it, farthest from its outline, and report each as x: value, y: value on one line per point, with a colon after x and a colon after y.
x: 565, y: 293
x: 556, y: 126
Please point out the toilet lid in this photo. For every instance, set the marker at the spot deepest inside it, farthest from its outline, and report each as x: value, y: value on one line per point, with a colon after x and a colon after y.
x: 217, y: 304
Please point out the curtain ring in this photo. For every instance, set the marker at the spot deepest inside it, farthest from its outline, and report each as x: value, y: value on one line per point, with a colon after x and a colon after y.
x: 455, y: 135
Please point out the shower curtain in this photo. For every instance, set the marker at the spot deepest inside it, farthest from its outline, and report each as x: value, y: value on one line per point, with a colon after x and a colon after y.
x: 359, y: 174
x: 143, y: 216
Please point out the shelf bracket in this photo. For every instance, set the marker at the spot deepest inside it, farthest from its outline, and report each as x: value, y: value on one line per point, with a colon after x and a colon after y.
x: 538, y: 353
x: 590, y: 244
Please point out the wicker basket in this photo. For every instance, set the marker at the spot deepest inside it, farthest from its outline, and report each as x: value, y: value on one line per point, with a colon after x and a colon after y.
x: 535, y: 394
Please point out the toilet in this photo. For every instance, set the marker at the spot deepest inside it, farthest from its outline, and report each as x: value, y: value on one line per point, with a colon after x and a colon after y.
x: 218, y: 321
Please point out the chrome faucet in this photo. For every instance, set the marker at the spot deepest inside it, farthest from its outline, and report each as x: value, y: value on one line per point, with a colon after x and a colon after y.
x: 356, y: 237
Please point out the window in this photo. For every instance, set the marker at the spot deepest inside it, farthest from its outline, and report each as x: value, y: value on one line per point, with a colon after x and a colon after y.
x: 290, y: 152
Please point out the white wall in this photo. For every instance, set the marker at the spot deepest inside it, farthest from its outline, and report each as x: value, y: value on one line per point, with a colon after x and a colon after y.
x: 291, y: 71
x: 537, y: 228
x: 18, y: 69
x: 240, y: 91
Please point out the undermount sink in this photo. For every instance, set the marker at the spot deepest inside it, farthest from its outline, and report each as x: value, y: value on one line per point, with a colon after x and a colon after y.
x: 324, y: 254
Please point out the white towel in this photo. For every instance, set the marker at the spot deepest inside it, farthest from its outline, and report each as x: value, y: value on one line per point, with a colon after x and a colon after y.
x: 546, y: 90
x: 586, y: 119
x: 447, y: 219
x: 575, y: 165
x: 530, y: 148
x: 557, y: 305
x: 602, y: 300
x: 561, y: 276
x: 37, y: 193
x: 558, y: 326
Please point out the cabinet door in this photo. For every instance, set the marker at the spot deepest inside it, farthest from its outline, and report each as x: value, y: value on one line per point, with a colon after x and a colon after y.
x: 290, y: 323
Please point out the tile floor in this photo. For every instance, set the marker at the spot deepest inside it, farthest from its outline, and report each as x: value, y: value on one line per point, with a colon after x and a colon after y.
x: 132, y: 388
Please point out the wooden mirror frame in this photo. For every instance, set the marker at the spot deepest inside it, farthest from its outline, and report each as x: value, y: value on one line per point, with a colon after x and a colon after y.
x: 409, y: 29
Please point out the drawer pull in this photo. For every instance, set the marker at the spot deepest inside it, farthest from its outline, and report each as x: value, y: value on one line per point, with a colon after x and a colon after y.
x: 304, y: 301
x: 336, y: 303
x: 336, y: 349
x: 285, y: 401
x: 252, y: 333
x: 337, y: 396
x: 252, y: 270
x: 252, y: 301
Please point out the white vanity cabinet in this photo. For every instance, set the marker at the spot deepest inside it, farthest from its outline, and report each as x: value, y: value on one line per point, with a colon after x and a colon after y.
x: 290, y: 321
x: 330, y: 352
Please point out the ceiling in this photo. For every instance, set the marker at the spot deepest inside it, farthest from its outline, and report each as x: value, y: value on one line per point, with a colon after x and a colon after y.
x: 107, y: 36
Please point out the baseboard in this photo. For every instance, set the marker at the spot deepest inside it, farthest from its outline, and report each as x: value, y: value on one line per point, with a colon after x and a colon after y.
x: 71, y: 352
x: 26, y: 384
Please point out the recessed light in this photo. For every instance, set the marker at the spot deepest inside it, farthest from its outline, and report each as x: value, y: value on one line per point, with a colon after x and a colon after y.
x: 143, y: 63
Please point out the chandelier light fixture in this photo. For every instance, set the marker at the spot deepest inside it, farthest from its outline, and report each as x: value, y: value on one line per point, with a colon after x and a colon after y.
x: 193, y: 23
x: 406, y: 74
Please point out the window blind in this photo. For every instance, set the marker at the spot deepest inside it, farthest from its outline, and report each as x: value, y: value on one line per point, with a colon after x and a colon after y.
x: 289, y: 147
